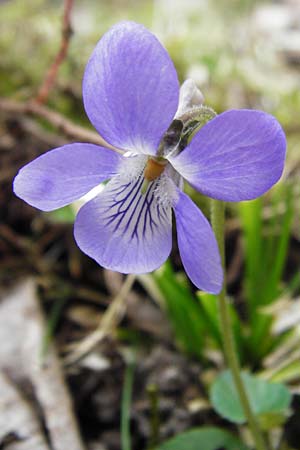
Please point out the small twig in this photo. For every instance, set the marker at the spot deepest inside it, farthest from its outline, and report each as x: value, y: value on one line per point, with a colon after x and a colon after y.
x: 57, y: 120
x: 108, y: 323
x: 51, y: 75
x: 14, y: 239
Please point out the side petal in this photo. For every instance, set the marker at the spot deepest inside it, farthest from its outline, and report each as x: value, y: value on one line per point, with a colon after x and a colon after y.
x: 237, y: 156
x: 125, y: 230
x: 64, y: 174
x: 130, y: 88
x: 198, y: 246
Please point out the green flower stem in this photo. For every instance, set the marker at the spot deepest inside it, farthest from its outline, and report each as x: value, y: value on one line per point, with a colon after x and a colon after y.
x: 218, y: 222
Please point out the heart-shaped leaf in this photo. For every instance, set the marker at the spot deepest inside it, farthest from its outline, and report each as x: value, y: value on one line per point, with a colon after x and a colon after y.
x: 206, y: 438
x: 265, y: 397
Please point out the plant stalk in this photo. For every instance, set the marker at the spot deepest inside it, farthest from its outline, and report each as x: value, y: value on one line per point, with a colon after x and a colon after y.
x: 218, y: 225
x: 126, y: 404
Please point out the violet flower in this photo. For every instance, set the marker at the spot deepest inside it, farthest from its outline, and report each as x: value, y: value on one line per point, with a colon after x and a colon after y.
x: 130, y: 92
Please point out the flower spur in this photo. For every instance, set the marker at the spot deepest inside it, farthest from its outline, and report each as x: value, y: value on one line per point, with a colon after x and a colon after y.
x: 131, y: 92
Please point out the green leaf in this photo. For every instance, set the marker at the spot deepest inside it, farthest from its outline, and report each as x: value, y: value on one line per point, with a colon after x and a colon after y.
x: 265, y: 397
x: 206, y: 438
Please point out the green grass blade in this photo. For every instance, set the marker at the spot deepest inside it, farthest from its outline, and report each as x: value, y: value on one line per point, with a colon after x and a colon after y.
x: 182, y: 309
x: 251, y: 218
x: 266, y: 246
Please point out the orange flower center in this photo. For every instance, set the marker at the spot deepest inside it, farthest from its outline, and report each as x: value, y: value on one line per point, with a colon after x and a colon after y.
x: 154, y: 168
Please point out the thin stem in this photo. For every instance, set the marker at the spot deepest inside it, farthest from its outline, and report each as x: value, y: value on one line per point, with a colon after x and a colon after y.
x: 152, y: 391
x: 218, y: 221
x: 126, y: 405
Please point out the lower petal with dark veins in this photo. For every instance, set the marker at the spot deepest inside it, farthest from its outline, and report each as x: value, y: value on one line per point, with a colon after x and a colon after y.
x: 125, y: 230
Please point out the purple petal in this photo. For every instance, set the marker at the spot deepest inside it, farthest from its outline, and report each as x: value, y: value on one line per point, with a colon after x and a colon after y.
x: 124, y: 230
x: 64, y: 174
x: 130, y: 88
x: 237, y: 156
x: 198, y: 246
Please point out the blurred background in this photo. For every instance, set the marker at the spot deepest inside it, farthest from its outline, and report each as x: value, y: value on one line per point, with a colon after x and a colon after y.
x: 162, y: 337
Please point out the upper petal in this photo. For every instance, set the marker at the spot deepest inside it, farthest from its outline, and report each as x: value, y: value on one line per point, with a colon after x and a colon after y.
x: 198, y: 246
x: 64, y: 174
x: 130, y: 88
x: 124, y: 230
x: 237, y: 156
